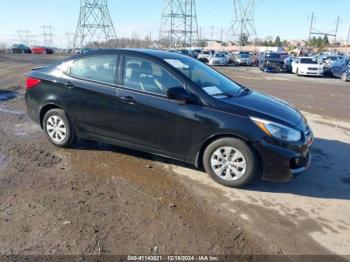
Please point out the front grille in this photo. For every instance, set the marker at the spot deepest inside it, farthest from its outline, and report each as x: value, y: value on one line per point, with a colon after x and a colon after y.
x: 313, y: 68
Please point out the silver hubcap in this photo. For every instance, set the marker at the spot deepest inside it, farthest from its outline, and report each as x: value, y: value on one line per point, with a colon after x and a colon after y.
x: 228, y: 163
x: 56, y: 129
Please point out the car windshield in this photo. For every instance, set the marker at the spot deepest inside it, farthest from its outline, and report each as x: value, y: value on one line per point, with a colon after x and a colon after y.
x: 205, y: 53
x: 308, y: 61
x: 219, y: 55
x: 211, y: 81
x: 244, y: 56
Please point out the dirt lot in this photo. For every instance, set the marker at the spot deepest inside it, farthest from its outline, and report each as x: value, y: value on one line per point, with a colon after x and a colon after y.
x: 100, y: 199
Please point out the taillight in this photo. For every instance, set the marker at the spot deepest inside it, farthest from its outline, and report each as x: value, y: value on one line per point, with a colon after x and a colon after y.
x: 32, y: 82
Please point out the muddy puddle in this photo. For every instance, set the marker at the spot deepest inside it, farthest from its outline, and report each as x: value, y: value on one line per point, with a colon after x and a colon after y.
x: 7, y: 95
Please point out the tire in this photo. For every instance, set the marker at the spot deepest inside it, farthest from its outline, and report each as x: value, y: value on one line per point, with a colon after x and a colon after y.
x: 241, y: 176
x: 60, y: 124
x: 344, y: 77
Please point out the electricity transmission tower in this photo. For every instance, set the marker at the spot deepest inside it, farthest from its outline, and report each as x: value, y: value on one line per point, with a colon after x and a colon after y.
x: 24, y: 36
x: 243, y: 28
x: 314, y: 31
x: 179, y: 25
x: 70, y: 39
x: 47, y: 35
x: 94, y: 24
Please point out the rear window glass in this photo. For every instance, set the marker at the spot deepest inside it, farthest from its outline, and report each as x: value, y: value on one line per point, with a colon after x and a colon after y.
x: 97, y: 68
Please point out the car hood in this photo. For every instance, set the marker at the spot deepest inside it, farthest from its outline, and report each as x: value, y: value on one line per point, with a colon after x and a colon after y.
x: 256, y: 104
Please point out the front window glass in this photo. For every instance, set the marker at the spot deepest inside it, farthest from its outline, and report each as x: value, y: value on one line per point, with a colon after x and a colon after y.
x: 147, y: 76
x: 97, y: 68
x: 211, y: 81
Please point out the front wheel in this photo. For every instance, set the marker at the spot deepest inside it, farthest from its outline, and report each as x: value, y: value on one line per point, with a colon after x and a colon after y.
x: 344, y: 77
x: 231, y: 162
x: 58, y: 128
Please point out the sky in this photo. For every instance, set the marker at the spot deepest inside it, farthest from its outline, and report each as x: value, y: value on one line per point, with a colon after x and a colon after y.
x: 289, y: 19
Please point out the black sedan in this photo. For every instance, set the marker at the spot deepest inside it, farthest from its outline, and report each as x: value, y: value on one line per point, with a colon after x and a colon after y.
x: 170, y: 105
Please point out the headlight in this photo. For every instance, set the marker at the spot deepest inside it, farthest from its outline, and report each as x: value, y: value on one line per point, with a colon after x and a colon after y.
x: 276, y: 130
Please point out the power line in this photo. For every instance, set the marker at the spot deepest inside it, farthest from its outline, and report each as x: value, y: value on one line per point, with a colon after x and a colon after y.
x: 179, y: 25
x: 94, y: 24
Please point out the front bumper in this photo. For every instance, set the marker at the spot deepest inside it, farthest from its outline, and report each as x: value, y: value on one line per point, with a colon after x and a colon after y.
x: 311, y: 73
x: 282, y: 162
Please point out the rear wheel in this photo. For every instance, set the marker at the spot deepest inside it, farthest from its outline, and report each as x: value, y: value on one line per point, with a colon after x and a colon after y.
x: 58, y: 128
x: 344, y: 77
x: 231, y: 162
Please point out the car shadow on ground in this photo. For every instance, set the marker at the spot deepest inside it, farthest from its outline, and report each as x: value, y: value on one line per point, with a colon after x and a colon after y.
x: 328, y: 176
x: 91, y: 145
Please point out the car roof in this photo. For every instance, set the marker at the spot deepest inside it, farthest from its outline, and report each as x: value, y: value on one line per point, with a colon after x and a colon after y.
x: 136, y: 51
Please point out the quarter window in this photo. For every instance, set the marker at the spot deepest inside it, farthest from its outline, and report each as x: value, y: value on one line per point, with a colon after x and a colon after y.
x: 146, y: 76
x: 97, y: 68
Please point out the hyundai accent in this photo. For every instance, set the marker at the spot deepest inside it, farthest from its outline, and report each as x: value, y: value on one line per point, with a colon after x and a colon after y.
x: 170, y: 105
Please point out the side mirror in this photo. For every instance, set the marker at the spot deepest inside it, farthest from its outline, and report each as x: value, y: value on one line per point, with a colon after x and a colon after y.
x: 179, y: 94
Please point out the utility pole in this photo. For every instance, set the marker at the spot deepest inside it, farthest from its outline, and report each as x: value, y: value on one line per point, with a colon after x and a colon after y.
x: 348, y: 38
x: 94, y: 24
x: 47, y: 35
x: 313, y: 31
x: 243, y: 26
x: 211, y: 37
x: 179, y: 26
x: 336, y: 29
x: 311, y: 26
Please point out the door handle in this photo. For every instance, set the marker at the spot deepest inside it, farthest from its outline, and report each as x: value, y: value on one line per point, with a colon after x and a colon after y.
x: 128, y: 99
x: 69, y: 84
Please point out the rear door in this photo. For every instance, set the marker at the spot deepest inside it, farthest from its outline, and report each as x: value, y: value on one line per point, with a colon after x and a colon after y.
x: 146, y: 117
x: 90, y: 95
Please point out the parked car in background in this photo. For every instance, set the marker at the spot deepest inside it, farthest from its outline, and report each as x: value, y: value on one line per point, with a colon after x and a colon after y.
x: 42, y: 50
x: 243, y: 58
x: 327, y: 61
x: 204, y: 56
x: 170, y: 105
x: 196, y: 53
x: 218, y: 59
x: 308, y: 66
x: 20, y: 49
x: 271, y: 62
x: 185, y: 52
x: 341, y: 69
x: 288, y: 63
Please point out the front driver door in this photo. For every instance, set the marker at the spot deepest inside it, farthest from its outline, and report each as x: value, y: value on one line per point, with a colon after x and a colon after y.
x: 147, y: 118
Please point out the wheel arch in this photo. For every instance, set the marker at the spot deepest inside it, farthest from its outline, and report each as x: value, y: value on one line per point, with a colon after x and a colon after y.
x: 199, y: 157
x: 46, y: 108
